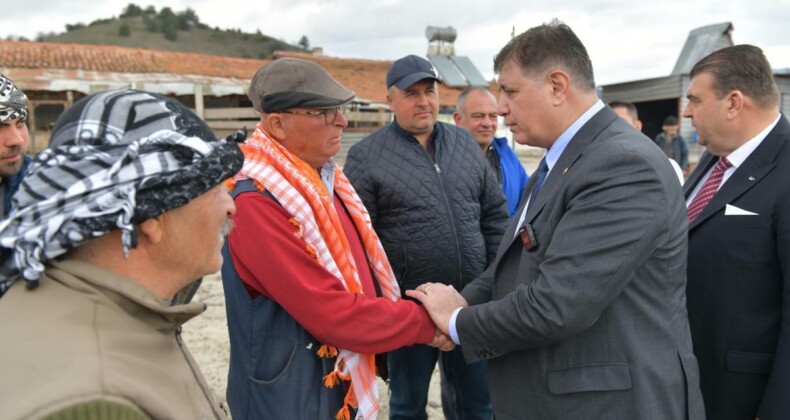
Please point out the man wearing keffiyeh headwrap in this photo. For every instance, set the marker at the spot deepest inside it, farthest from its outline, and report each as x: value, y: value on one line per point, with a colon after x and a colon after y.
x: 13, y: 141
x: 310, y: 294
x: 122, y: 211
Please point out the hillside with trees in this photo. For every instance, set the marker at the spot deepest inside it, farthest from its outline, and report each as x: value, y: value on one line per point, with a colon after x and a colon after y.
x: 169, y: 30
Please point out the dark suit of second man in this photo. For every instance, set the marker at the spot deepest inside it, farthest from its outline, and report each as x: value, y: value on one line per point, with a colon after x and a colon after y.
x: 739, y: 240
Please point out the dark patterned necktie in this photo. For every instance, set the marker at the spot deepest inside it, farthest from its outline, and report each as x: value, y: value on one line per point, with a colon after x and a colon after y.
x: 540, y: 175
x: 708, y: 190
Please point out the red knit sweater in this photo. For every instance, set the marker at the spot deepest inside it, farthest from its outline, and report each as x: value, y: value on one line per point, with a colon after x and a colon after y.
x: 272, y: 261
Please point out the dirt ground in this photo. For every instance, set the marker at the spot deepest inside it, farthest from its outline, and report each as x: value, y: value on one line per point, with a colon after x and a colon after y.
x: 207, y: 338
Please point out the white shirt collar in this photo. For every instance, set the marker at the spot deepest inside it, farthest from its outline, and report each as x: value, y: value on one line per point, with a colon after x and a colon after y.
x: 555, y: 151
x: 740, y: 154
x: 736, y: 158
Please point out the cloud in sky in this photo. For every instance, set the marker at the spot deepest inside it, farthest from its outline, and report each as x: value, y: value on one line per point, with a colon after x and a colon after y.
x: 626, y: 40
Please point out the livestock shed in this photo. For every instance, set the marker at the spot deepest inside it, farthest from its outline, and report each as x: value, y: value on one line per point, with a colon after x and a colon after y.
x: 55, y: 75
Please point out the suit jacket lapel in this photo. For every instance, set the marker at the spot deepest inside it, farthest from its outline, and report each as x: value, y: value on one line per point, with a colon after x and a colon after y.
x: 510, y: 233
x: 572, y: 152
x: 706, y: 161
x: 586, y: 135
x: 756, y: 166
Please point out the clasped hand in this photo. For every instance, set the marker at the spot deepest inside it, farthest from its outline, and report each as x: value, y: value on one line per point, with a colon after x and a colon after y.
x: 440, y: 301
x: 442, y: 342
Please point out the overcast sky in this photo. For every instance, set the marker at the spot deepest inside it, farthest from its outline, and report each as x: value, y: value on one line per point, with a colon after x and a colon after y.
x: 626, y: 39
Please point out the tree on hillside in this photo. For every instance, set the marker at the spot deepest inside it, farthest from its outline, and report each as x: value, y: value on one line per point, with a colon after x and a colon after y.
x: 132, y: 10
x: 170, y: 31
x: 150, y: 10
x: 41, y: 36
x: 187, y: 19
x: 74, y: 27
x: 304, y: 43
x: 150, y: 24
x: 101, y: 21
x: 124, y: 30
x: 167, y: 14
x: 169, y: 23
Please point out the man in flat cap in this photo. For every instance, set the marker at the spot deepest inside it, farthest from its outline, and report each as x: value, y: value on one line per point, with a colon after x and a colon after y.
x: 440, y: 213
x: 673, y: 144
x: 123, y: 211
x: 310, y: 294
x: 13, y: 141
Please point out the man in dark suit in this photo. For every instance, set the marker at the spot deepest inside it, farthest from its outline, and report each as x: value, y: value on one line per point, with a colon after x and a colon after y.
x: 739, y: 237
x: 582, y: 314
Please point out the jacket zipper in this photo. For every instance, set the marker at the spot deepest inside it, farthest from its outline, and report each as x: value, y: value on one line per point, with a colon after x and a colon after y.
x: 450, y: 212
x: 194, y: 374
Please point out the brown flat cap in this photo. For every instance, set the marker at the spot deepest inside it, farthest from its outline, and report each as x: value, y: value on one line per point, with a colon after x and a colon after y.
x: 292, y: 83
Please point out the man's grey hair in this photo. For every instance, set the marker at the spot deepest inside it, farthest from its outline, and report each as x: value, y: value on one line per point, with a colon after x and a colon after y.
x: 459, y: 103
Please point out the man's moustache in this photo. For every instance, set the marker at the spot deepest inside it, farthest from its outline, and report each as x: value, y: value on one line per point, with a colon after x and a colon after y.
x: 15, y: 150
x: 227, y: 227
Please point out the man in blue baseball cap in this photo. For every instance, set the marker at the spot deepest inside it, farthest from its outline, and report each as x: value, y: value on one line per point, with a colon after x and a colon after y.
x: 439, y: 212
x: 410, y: 70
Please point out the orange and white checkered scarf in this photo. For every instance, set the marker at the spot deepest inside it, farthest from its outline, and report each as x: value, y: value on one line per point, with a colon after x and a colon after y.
x: 299, y: 189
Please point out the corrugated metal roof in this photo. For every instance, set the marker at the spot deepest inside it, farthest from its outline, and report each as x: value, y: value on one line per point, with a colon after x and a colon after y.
x: 472, y: 74
x: 667, y: 87
x: 449, y: 74
x: 90, y: 81
x: 701, y: 42
x: 457, y: 71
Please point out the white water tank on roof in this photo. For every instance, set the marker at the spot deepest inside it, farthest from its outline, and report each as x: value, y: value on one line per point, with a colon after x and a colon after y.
x: 447, y: 34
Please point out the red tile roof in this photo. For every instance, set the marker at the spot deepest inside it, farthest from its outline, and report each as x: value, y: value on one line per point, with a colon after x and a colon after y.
x: 121, y: 59
x: 365, y: 77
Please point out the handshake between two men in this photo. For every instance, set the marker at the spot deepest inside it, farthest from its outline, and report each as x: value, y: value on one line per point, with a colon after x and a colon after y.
x: 441, y: 301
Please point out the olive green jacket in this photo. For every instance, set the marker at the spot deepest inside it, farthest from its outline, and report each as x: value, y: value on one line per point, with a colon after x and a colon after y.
x: 89, y: 339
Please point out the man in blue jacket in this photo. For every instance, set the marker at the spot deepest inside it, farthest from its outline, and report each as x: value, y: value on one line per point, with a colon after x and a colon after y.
x: 475, y: 110
x: 13, y: 142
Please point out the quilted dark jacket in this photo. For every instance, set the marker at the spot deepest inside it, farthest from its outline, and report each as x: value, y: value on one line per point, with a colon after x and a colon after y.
x: 439, y: 222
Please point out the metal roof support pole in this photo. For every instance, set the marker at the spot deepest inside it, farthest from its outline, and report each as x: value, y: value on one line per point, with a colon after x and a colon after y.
x: 199, y: 108
x: 31, y: 120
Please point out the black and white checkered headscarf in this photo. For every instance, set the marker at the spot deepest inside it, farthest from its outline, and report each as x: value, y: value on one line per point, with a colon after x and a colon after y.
x: 13, y: 103
x: 116, y: 159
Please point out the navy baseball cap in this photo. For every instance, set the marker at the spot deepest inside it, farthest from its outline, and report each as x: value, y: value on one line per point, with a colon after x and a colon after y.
x: 409, y: 70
